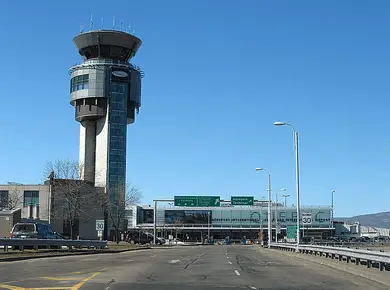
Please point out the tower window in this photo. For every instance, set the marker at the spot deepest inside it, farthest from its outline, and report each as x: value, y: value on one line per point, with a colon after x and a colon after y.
x: 79, y: 83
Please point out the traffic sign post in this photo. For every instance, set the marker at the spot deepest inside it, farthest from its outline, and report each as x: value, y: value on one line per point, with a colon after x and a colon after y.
x: 242, y: 200
x: 100, y: 228
x: 306, y: 220
x: 197, y: 201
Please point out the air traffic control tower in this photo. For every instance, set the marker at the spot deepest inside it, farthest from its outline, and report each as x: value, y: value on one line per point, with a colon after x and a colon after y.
x: 105, y: 90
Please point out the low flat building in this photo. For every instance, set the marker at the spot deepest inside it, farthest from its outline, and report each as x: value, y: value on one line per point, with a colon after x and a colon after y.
x: 194, y: 223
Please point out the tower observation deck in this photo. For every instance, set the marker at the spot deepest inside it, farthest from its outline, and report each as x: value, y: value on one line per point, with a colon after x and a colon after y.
x: 105, y: 90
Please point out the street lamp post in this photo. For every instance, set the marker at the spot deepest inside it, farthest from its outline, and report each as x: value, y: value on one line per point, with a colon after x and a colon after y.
x: 208, y: 225
x: 285, y: 199
x: 269, y: 206
x: 154, y: 222
x: 333, y: 191
x: 277, y: 227
x: 296, y: 141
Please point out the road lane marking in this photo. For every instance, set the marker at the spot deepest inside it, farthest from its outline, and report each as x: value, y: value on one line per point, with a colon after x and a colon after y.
x: 90, y: 259
x: 153, y: 256
x: 10, y: 287
x: 237, y: 273
x: 253, y: 287
x: 85, y: 280
x: 129, y: 260
x: 227, y: 257
x: 174, y: 261
x: 63, y: 278
x: 230, y: 262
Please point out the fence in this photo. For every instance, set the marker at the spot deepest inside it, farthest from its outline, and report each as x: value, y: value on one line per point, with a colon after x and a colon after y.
x: 47, y: 243
x: 382, y: 259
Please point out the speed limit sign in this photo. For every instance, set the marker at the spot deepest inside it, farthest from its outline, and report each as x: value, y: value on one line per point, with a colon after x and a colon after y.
x: 306, y: 218
x: 99, y: 225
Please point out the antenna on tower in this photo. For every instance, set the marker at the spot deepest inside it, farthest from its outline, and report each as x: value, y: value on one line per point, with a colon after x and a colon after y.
x: 102, y: 23
x: 91, y: 24
x: 128, y: 28
x: 81, y: 28
x: 113, y: 23
x: 121, y: 25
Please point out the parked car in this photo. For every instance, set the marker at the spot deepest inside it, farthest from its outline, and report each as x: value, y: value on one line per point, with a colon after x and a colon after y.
x: 33, y: 230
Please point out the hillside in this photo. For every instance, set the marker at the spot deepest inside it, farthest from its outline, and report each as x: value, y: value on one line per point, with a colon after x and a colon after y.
x: 380, y: 220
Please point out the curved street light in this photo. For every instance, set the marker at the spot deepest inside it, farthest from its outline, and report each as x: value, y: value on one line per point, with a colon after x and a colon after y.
x: 296, y: 173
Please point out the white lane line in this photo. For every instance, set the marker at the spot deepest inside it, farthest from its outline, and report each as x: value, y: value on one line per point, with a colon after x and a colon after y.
x: 227, y: 257
x: 90, y: 259
x: 230, y: 262
x: 130, y: 260
x: 153, y: 256
x: 237, y: 273
x: 174, y: 261
x: 253, y: 287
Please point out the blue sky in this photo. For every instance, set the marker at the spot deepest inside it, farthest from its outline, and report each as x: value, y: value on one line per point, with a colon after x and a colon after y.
x: 218, y: 74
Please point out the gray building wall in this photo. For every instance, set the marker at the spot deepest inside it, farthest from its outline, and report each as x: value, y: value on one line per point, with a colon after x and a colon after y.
x: 17, y: 192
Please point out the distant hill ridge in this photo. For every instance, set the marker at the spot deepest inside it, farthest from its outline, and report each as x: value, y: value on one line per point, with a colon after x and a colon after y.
x: 379, y: 220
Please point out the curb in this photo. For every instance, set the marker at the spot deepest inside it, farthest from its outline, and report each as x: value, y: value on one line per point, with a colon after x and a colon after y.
x: 67, y: 254
x: 375, y: 277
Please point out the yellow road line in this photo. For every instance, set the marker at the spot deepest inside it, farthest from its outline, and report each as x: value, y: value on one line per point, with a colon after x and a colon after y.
x: 5, y: 286
x: 10, y: 287
x: 48, y: 288
x: 62, y: 278
x: 85, y: 280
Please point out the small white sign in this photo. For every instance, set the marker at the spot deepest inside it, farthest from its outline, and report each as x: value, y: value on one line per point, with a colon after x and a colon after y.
x: 120, y: 74
x: 306, y: 218
x: 99, y: 225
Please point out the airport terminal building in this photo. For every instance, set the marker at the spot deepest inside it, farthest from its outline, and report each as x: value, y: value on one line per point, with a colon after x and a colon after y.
x: 195, y: 223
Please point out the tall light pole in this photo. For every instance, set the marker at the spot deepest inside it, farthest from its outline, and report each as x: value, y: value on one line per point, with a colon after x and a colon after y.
x: 333, y: 191
x: 296, y: 141
x: 277, y: 227
x: 285, y: 199
x: 208, y: 225
x: 269, y: 206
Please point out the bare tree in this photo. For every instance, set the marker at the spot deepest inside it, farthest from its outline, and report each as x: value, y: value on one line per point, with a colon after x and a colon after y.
x: 15, y: 198
x: 116, y: 201
x: 178, y: 225
x: 72, y: 198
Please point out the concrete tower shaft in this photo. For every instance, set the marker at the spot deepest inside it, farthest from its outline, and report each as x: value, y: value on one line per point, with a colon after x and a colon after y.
x: 105, y: 90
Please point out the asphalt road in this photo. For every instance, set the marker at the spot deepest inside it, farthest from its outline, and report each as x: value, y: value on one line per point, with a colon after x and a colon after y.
x: 178, y: 268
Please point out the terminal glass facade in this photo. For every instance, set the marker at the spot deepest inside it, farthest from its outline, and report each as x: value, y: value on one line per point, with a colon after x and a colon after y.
x: 240, y: 217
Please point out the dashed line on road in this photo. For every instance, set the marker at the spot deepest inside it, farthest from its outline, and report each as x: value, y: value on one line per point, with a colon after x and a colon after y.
x: 253, y: 287
x: 89, y: 259
x: 237, y: 273
x: 230, y: 262
x: 227, y: 257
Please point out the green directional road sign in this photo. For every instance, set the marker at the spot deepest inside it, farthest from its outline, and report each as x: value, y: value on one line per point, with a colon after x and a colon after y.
x: 198, y: 201
x: 186, y: 201
x: 291, y: 232
x: 204, y: 201
x: 242, y: 200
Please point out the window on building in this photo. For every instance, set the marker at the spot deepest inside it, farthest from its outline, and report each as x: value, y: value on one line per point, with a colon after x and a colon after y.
x: 79, y: 83
x: 31, y: 197
x: 3, y: 198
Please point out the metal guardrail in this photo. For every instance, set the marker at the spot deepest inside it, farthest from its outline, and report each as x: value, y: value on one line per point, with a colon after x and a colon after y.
x: 36, y: 243
x: 356, y: 255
